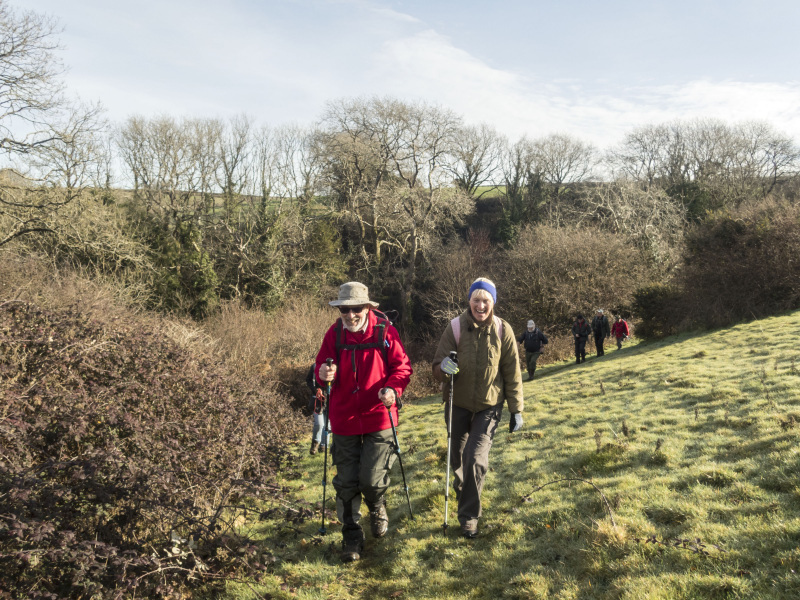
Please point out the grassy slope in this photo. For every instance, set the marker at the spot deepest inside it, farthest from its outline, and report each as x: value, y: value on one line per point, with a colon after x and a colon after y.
x: 720, y: 407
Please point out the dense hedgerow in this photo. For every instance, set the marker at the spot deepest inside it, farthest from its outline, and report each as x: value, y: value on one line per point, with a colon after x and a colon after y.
x: 738, y: 265
x: 123, y: 458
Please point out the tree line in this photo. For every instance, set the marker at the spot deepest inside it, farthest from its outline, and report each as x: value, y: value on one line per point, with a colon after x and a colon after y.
x: 405, y: 196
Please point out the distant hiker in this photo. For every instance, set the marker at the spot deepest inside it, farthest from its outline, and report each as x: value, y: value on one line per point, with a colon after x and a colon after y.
x: 319, y: 437
x: 601, y: 331
x: 532, y: 339
x: 580, y: 331
x: 620, y: 331
x: 370, y: 370
x: 487, y: 375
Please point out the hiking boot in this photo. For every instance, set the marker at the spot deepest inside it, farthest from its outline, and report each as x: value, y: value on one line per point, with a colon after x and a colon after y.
x: 378, y: 521
x: 470, y: 530
x: 314, y: 448
x: 351, y: 550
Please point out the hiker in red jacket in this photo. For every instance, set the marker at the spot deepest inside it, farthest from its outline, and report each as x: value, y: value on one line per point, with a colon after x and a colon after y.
x: 620, y: 331
x: 370, y: 370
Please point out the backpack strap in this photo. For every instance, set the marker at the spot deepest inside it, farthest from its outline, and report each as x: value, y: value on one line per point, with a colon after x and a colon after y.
x: 382, y: 343
x: 498, y: 323
x: 456, y: 325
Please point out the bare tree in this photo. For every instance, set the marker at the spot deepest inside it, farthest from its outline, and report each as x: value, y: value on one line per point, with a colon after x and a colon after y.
x: 355, y: 147
x: 234, y: 160
x: 389, y: 164
x: 50, y: 143
x: 173, y: 164
x: 644, y: 215
x: 30, y: 79
x: 643, y: 154
x: 299, y: 166
x: 478, y: 159
x: 707, y: 163
x: 563, y: 159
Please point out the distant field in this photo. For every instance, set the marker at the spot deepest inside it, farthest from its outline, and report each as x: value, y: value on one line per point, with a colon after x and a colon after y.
x: 490, y: 191
x: 692, y: 440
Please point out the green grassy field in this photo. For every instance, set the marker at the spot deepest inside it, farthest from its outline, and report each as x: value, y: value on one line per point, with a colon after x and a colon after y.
x: 693, y: 442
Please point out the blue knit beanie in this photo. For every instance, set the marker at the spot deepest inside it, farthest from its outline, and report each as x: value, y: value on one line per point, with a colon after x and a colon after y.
x: 481, y: 284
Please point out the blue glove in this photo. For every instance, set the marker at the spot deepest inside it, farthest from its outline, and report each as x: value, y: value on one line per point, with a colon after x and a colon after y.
x: 448, y: 366
x: 515, y: 424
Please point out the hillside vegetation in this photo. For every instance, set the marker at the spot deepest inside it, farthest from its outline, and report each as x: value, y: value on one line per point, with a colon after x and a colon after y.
x: 692, y: 441
x: 125, y: 450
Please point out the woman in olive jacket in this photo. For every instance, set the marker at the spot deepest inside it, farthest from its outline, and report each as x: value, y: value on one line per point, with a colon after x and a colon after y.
x: 486, y: 375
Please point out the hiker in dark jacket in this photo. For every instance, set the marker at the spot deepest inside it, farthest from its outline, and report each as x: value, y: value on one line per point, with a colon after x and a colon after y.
x: 601, y: 330
x: 580, y: 331
x: 532, y: 339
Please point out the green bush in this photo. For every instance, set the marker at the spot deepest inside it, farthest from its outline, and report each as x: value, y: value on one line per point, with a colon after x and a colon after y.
x: 742, y: 265
x: 657, y: 307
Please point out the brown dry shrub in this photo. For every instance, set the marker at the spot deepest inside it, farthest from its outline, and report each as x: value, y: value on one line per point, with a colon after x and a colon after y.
x: 280, y: 346
x: 422, y: 382
x: 551, y: 274
x: 35, y: 278
x: 116, y: 437
x: 254, y: 341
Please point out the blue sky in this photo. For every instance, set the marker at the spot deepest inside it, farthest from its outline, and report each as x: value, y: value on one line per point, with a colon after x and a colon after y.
x: 593, y: 69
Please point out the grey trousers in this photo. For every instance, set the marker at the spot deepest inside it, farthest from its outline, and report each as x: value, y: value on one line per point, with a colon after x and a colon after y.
x: 472, y: 437
x: 362, y: 464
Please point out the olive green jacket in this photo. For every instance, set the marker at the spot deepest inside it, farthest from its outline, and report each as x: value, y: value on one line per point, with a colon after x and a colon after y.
x: 489, y: 372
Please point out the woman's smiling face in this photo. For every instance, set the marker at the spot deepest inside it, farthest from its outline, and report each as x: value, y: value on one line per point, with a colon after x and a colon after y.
x: 480, y: 305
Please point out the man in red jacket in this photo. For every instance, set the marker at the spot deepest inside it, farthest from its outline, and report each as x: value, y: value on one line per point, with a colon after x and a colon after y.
x: 370, y: 370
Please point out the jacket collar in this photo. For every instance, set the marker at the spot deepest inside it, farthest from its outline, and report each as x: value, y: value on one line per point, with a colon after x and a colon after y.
x: 471, y: 320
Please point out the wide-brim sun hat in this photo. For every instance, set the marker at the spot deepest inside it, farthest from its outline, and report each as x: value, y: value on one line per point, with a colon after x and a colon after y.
x: 353, y: 293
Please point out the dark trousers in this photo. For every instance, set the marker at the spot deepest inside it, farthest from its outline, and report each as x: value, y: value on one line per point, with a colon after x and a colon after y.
x: 580, y: 348
x: 472, y: 436
x: 530, y: 359
x: 598, y: 343
x: 362, y: 470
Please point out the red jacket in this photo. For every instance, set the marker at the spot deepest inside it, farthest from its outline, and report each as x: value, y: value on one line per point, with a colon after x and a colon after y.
x: 355, y: 408
x: 620, y: 329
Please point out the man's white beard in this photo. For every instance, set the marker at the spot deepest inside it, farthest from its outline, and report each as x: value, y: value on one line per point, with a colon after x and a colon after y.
x: 356, y: 328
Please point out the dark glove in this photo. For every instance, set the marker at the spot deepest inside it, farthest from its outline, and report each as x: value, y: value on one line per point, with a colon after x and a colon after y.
x: 515, y: 424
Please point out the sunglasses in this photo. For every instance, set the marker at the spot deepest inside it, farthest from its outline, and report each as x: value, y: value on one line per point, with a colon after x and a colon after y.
x: 351, y: 309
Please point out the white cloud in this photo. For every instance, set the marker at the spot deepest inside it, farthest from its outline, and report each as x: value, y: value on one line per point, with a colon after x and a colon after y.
x: 281, y: 61
x: 429, y: 66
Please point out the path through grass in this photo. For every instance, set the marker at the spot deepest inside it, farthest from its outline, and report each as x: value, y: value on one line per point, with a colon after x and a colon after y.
x: 693, y: 441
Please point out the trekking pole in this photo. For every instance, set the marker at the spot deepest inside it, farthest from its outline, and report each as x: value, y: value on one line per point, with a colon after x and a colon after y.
x: 454, y: 358
x: 400, y: 460
x: 326, y: 408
